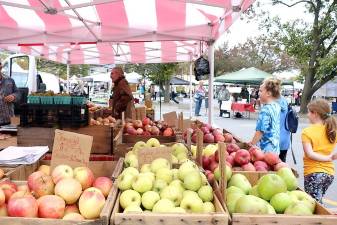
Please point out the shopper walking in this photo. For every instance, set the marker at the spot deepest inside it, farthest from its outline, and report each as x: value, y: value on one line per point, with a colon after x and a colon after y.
x: 223, y: 95
x: 267, y: 135
x: 284, y: 133
x: 199, y: 95
x: 319, y: 142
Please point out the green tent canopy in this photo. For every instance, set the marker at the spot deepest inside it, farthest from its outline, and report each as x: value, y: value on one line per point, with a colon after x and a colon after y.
x: 250, y: 76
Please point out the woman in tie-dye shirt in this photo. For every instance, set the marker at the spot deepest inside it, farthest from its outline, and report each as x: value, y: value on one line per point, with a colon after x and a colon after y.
x: 267, y: 135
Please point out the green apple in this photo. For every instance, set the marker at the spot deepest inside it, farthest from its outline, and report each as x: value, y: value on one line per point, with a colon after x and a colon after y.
x: 209, y: 150
x: 254, y: 191
x: 175, y: 173
x: 289, y: 178
x: 133, y: 209
x: 269, y: 185
x: 174, y: 160
x: 150, y: 198
x: 271, y: 210
x: 298, y: 209
x: 203, y: 179
x: 151, y: 175
x: 131, y: 160
x: 159, y: 185
x: 178, y: 210
x: 163, y: 206
x: 228, y: 173
x: 281, y: 202
x: 160, y: 163
x: 145, y: 168
x: 193, y: 181
x: 186, y: 168
x: 234, y: 189
x: 208, y: 207
x: 142, y: 183
x: 130, y: 197
x: 131, y: 170
x: 172, y: 193
x: 164, y: 174
x: 192, y: 203
x: 300, y: 196
x: 138, y: 145
x: 240, y: 181
x: 124, y: 181
x: 153, y: 142
x: 232, y: 198
x: 181, y: 156
x: 194, y: 151
x: 178, y: 148
x: 162, y: 145
x: 206, y: 193
x: 178, y: 184
x: 188, y: 192
x: 251, y: 204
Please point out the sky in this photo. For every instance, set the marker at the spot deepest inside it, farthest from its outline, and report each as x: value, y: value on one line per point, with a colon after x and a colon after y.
x: 243, y: 28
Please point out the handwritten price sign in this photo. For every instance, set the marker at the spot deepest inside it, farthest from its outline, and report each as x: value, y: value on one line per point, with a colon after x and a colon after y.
x: 71, y: 149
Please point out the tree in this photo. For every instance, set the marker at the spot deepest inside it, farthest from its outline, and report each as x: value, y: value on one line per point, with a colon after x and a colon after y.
x: 312, y: 44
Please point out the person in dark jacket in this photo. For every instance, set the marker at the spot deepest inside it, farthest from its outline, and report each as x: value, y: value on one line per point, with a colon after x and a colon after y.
x: 122, y: 99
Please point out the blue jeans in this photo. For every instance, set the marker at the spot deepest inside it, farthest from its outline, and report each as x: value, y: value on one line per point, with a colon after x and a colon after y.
x: 197, y: 107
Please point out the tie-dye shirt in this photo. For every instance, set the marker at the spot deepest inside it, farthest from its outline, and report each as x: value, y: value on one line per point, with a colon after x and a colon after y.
x: 269, y: 124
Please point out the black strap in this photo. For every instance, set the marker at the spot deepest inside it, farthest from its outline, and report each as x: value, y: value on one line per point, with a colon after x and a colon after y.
x: 291, y: 146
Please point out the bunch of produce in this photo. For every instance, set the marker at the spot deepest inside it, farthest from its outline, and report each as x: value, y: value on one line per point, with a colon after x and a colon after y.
x: 179, y: 152
x: 158, y: 188
x: 210, y: 134
x: 147, y: 127
x: 71, y: 194
x: 92, y: 107
x: 5, y: 136
x: 107, y: 121
x: 273, y: 193
x: 240, y: 159
x: 47, y: 93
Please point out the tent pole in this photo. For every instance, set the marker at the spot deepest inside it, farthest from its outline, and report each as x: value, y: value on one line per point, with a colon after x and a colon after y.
x: 68, y: 75
x: 210, y: 81
x: 191, y: 97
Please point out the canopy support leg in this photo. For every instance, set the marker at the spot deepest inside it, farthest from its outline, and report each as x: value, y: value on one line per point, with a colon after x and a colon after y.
x: 210, y: 81
x: 191, y: 97
x: 68, y: 76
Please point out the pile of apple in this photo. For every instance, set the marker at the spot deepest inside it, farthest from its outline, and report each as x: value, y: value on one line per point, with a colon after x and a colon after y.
x: 107, y: 121
x: 65, y: 194
x: 211, y: 135
x: 179, y: 152
x: 147, y: 127
x: 273, y: 193
x: 158, y: 188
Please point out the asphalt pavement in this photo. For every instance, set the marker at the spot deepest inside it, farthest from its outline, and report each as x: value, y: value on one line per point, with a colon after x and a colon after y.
x: 245, y: 128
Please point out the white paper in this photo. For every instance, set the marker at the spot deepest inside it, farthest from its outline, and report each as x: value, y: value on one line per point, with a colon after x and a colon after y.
x: 22, y: 155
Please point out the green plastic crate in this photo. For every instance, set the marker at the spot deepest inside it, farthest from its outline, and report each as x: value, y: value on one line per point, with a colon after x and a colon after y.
x: 33, y: 99
x: 77, y: 100
x: 47, y: 100
x: 62, y: 100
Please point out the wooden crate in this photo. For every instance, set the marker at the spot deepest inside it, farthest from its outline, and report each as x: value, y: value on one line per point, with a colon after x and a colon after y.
x: 219, y: 217
x: 12, y: 141
x: 102, y: 138
x: 36, y: 136
x: 8, y: 170
x: 322, y: 216
x: 105, y: 215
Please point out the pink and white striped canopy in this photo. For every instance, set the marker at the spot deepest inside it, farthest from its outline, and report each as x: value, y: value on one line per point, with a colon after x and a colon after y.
x: 115, y: 31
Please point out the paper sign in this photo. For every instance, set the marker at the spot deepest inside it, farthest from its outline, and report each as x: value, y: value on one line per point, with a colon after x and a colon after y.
x: 171, y: 119
x: 71, y: 149
x: 147, y: 155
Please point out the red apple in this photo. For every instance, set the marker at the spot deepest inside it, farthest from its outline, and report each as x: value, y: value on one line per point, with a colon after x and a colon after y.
x: 219, y: 138
x: 131, y: 130
x: 146, y: 133
x: 210, y: 177
x: 91, y: 203
x: 146, y: 121
x: 104, y: 184
x: 205, y: 162
x: 9, y: 188
x: 71, y: 209
x: 232, y: 148
x: 256, y: 154
x: 216, y: 154
x: 205, y: 130
x: 230, y: 159
x: 168, y: 132
x: 242, y: 157
x: 248, y: 167
x: 208, y: 138
x: 237, y: 168
x: 147, y: 127
x: 62, y: 171
x: 271, y: 158
x: 280, y: 165
x: 260, y: 168
x: 261, y: 164
x: 155, y: 130
x: 137, y: 124
x: 21, y: 194
x: 194, y: 138
x: 51, y: 206
x: 217, y: 131
x: 139, y: 131
x: 41, y: 184
x: 213, y: 166
x: 22, y: 207
x: 228, y: 137
x: 85, y: 176
x: 32, y: 177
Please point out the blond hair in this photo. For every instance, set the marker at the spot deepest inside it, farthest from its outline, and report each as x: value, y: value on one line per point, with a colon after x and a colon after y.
x: 273, y: 86
x: 323, y: 110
